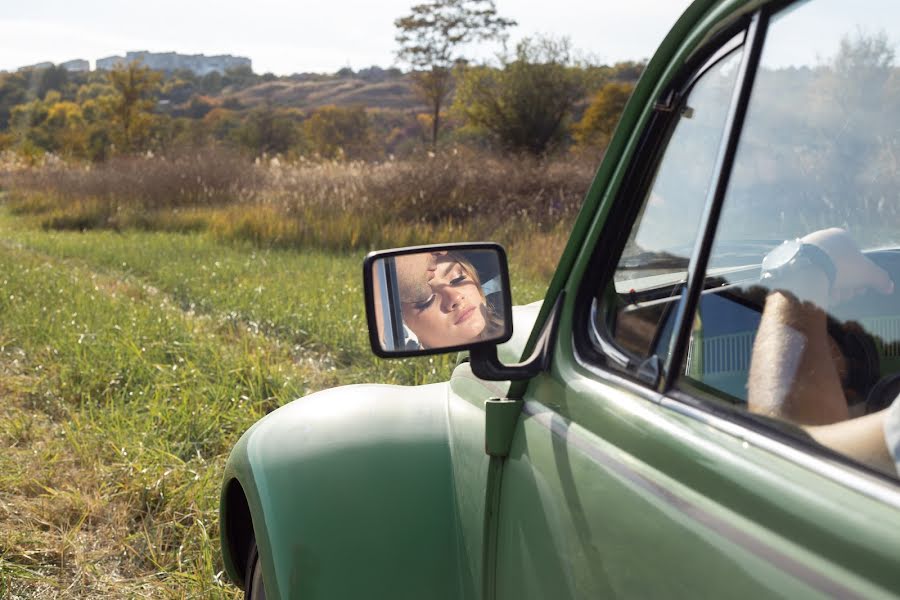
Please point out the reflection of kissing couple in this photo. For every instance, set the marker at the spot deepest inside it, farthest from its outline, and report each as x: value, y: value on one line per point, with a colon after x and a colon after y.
x: 443, y: 301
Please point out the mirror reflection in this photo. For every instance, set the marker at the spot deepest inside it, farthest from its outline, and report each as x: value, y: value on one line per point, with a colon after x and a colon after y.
x: 432, y: 300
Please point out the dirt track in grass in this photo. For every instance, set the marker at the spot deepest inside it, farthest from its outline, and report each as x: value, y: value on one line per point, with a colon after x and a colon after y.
x: 130, y: 363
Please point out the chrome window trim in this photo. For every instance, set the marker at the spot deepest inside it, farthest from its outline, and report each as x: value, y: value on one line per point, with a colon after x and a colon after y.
x: 849, y: 476
x: 617, y: 378
x: 829, y: 584
x: 858, y: 480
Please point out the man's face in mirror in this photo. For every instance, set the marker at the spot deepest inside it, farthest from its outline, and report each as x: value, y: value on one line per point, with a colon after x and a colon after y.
x: 414, y: 273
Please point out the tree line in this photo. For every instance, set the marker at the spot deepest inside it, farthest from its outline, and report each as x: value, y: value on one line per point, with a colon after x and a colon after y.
x: 537, y: 98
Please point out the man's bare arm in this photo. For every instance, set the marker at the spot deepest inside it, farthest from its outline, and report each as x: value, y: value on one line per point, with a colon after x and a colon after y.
x: 861, y: 438
x: 793, y: 375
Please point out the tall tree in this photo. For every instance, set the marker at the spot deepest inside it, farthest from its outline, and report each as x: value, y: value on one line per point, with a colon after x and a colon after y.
x: 131, y: 103
x: 430, y: 38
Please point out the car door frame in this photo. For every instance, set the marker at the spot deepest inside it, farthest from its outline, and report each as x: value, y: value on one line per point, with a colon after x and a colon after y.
x: 611, y: 240
x: 628, y: 168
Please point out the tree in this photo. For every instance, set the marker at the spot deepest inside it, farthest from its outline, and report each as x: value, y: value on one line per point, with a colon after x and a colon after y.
x: 266, y: 130
x: 599, y: 121
x: 131, y: 104
x: 51, y: 125
x: 177, y: 90
x: 332, y: 131
x: 238, y: 78
x: 52, y: 78
x: 525, y: 102
x: 198, y: 107
x: 861, y: 70
x: 67, y: 129
x: 14, y: 89
x: 430, y: 38
x: 93, y: 91
x: 221, y: 123
x: 212, y: 83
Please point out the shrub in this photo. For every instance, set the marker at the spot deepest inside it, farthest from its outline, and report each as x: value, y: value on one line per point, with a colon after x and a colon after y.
x: 602, y: 115
x: 525, y: 103
x: 334, y: 132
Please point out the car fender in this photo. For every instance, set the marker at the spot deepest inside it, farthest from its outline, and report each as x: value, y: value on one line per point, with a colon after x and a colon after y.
x: 354, y: 479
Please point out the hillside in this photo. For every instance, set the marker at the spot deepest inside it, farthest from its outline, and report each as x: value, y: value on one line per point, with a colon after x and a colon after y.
x: 395, y: 93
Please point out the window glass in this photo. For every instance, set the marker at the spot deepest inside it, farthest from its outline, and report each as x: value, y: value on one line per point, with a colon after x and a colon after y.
x: 650, y: 274
x: 809, y: 331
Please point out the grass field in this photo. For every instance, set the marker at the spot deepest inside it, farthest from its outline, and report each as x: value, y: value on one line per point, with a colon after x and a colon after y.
x: 130, y: 362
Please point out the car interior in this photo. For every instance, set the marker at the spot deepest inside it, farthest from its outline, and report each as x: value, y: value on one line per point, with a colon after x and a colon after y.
x: 865, y: 332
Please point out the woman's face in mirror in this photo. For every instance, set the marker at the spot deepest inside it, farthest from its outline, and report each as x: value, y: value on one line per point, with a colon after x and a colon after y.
x: 454, y: 314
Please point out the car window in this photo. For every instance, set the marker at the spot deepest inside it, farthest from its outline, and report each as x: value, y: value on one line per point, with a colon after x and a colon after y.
x: 649, y: 275
x: 799, y: 319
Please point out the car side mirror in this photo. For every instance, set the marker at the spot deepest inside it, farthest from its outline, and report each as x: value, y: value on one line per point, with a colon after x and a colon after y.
x: 439, y: 298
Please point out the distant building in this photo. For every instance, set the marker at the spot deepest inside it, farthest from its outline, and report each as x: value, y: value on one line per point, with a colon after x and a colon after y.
x: 78, y: 65
x: 172, y: 61
x: 40, y: 65
x: 109, y: 63
x: 199, y: 64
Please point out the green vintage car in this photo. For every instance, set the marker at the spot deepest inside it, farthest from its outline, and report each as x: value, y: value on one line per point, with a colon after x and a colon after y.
x: 702, y: 404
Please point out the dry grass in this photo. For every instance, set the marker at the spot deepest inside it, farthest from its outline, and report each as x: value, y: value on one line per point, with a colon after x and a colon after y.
x: 127, y: 191
x: 338, y: 206
x: 201, y: 177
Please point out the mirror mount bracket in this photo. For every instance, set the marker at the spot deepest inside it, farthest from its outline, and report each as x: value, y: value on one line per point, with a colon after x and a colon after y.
x: 487, y: 366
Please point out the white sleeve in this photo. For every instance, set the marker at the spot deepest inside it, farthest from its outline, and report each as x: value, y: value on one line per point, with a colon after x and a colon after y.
x: 892, y: 432
x: 492, y: 286
x: 410, y: 341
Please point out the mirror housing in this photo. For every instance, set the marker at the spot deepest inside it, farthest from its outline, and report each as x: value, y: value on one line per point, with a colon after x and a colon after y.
x: 432, y: 299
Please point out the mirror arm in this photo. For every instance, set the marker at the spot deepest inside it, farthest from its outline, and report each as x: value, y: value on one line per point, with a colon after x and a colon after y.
x: 487, y: 366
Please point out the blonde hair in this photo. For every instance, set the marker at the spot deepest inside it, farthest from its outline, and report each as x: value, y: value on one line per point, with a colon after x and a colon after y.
x: 493, y: 321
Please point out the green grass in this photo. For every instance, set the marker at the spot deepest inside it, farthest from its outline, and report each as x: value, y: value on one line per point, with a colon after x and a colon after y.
x: 311, y: 300
x: 138, y: 405
x: 130, y: 363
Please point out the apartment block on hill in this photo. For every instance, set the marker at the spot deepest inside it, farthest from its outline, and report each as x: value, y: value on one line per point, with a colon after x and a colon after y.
x: 172, y: 61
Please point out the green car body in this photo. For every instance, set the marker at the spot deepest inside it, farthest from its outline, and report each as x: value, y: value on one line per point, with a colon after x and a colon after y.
x: 603, y: 487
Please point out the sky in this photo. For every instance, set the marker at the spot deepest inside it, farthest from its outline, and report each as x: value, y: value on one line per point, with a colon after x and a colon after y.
x: 295, y: 36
